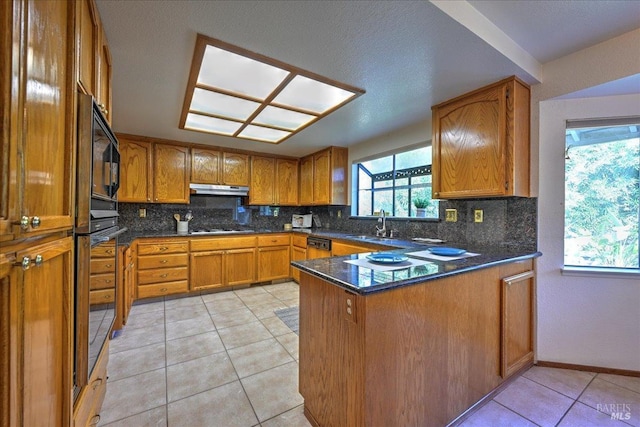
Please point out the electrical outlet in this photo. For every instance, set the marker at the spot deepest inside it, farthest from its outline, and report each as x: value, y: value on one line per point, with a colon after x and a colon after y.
x: 478, y: 215
x: 451, y: 215
x: 339, y: 214
x: 142, y: 213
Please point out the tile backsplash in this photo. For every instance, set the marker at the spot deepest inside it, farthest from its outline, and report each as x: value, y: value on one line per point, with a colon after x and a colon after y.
x: 510, y: 221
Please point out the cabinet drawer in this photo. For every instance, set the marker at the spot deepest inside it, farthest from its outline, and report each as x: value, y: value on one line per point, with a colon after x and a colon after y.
x: 161, y: 261
x: 102, y: 281
x: 300, y: 241
x: 89, y: 403
x: 102, y: 296
x: 218, y: 243
x: 162, y: 275
x: 274, y: 240
x: 162, y: 248
x: 160, y: 289
x: 103, y: 251
x: 106, y: 265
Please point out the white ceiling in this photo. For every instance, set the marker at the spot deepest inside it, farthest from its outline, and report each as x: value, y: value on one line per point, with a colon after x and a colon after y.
x: 406, y: 55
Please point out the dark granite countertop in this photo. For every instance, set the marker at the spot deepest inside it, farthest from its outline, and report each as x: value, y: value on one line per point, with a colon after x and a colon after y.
x: 363, y: 280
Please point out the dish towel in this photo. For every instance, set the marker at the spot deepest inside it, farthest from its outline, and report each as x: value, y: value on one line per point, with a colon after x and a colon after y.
x: 429, y: 255
x: 363, y: 262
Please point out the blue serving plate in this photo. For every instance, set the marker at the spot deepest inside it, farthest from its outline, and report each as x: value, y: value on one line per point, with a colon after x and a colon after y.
x: 387, y: 258
x: 444, y: 251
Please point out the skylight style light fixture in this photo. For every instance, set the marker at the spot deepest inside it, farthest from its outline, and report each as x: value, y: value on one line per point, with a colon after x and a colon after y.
x: 238, y: 93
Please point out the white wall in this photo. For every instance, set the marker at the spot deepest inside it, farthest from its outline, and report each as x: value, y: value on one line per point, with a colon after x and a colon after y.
x: 592, y: 321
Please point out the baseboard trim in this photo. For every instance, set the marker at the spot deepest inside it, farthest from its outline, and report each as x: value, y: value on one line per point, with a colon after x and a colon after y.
x: 597, y: 369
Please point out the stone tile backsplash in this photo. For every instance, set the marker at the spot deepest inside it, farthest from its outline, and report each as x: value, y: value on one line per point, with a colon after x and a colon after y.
x: 508, y: 221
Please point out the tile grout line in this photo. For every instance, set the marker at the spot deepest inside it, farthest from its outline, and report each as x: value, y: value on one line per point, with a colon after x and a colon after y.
x: 512, y: 410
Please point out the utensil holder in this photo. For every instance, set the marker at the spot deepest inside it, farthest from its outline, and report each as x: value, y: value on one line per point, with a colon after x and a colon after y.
x: 183, y: 227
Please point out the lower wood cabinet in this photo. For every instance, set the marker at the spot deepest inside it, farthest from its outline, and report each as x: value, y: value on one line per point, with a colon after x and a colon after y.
x: 341, y: 248
x: 87, y: 407
x: 36, y: 333
x: 298, y: 253
x: 517, y: 309
x: 162, y: 267
x: 273, y: 257
x: 222, y: 261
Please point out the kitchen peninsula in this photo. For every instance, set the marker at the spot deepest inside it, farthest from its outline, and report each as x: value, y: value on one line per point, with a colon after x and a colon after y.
x: 417, y: 346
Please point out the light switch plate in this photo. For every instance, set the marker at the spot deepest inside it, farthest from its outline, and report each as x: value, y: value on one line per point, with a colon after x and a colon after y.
x: 478, y: 215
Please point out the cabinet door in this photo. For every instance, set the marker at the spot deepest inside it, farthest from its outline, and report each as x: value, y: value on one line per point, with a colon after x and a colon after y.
x: 235, y: 169
x: 171, y: 172
x: 206, y: 270
x: 273, y: 263
x: 240, y: 266
x: 286, y: 182
x: 263, y: 176
x: 306, y: 181
x: 205, y: 166
x: 103, y: 94
x: 517, y: 322
x: 341, y: 249
x: 37, y: 339
x: 135, y: 171
x: 40, y: 125
x: 322, y: 178
x: 297, y: 254
x: 87, y: 41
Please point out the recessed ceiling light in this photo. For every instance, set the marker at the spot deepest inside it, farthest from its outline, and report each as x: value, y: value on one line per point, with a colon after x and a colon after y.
x: 235, y: 92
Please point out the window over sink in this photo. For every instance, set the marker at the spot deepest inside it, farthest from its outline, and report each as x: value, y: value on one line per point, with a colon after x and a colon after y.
x: 398, y: 183
x: 602, y: 194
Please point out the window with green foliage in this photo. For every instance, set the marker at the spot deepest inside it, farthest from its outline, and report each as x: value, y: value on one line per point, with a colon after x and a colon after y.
x: 602, y: 193
x: 399, y: 184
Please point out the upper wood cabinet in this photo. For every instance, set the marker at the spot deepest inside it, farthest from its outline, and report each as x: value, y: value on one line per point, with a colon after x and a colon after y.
x: 323, y: 177
x: 306, y: 180
x: 38, y: 132
x: 286, y: 182
x: 235, y: 169
x: 94, y: 70
x: 481, y: 143
x: 153, y: 172
x: 263, y: 181
x: 135, y: 171
x: 205, y: 166
x: 171, y: 172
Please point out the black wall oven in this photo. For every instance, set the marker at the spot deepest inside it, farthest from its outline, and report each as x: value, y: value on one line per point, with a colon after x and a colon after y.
x: 96, y: 232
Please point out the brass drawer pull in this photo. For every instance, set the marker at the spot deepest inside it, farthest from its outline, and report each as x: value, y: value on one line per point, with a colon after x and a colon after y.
x: 164, y: 275
x: 164, y: 261
x: 164, y: 289
x: 94, y: 420
x: 108, y: 265
x: 97, y: 383
x: 163, y: 248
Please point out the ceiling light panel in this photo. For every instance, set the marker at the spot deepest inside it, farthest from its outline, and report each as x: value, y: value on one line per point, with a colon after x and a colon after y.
x: 205, y: 101
x: 239, y: 74
x: 263, y: 134
x: 235, y: 92
x: 279, y: 117
x: 312, y: 95
x: 211, y: 124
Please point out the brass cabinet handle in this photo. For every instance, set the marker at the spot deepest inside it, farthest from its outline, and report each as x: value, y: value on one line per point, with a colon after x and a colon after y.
x: 108, y: 265
x: 164, y: 261
x: 164, y: 275
x: 96, y: 383
x: 24, y: 222
x: 94, y: 420
x: 27, y: 261
x: 163, y: 290
x: 35, y: 222
x: 163, y: 248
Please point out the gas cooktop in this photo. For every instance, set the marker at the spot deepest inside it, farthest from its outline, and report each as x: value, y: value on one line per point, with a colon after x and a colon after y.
x: 218, y: 231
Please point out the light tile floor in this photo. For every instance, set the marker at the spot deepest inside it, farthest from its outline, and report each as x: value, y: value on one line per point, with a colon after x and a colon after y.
x: 226, y: 360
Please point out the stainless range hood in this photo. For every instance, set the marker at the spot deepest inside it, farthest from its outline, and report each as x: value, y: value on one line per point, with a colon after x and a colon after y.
x: 218, y: 190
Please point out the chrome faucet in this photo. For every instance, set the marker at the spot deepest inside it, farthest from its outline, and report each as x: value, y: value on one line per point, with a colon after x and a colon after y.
x: 382, y: 231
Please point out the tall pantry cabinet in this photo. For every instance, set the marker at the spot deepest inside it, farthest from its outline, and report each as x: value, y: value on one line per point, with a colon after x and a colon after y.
x: 37, y: 171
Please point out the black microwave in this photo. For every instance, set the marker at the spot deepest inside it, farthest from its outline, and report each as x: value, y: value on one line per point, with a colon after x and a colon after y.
x: 98, y: 176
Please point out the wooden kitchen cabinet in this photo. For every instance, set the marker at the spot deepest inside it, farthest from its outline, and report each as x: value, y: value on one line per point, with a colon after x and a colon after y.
x: 87, y: 407
x: 323, y: 177
x: 273, y: 257
x: 222, y: 261
x: 339, y: 248
x: 94, y: 69
x: 263, y: 181
x: 102, y: 285
x: 135, y: 171
x: 235, y: 169
x: 36, y: 337
x: 163, y: 266
x: 205, y: 166
x: 273, y: 181
x: 126, y: 285
x: 481, y: 143
x: 298, y: 253
x: 171, y: 173
x: 37, y: 150
x: 517, y: 310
